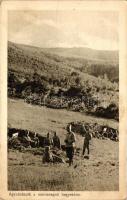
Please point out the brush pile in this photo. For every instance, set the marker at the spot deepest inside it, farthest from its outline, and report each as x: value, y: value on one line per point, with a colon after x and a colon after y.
x: 96, y: 130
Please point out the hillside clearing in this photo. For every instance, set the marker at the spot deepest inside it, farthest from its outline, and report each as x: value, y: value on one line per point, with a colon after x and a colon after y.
x: 41, y: 119
x: 26, y: 171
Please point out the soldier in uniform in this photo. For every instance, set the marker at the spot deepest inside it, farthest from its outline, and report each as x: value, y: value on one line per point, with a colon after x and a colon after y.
x: 87, y: 138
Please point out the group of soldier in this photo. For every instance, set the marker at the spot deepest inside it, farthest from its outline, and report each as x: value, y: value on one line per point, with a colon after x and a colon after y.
x: 53, y: 144
x: 70, y: 141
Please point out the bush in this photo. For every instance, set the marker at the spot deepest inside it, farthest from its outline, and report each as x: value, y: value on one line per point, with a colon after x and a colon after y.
x: 111, y: 112
x: 74, y: 91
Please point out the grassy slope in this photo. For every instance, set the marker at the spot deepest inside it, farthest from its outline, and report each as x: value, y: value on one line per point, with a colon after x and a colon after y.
x: 99, y: 173
x: 26, y: 171
x: 25, y: 116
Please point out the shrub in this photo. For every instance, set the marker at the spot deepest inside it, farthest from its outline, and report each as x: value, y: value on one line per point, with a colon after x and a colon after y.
x: 112, y: 111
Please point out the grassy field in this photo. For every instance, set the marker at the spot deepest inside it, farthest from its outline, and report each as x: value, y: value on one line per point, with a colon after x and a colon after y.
x: 26, y: 171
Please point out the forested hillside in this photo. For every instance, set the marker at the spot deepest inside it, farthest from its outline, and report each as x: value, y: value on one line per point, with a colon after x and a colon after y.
x: 43, y: 59
x: 82, y: 81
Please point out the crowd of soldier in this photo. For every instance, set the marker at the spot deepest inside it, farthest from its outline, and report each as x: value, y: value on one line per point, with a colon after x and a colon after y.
x: 32, y: 139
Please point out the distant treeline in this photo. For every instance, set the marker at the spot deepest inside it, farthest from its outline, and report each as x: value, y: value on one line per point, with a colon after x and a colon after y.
x: 109, y: 72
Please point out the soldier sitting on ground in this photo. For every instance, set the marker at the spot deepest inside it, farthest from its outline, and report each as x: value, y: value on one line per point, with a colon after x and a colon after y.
x: 27, y: 139
x: 50, y: 157
x: 56, y: 141
x: 36, y: 140
x: 48, y: 140
x: 47, y: 156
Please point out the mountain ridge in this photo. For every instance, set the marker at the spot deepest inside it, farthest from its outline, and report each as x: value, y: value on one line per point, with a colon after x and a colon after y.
x: 78, y: 52
x: 29, y: 59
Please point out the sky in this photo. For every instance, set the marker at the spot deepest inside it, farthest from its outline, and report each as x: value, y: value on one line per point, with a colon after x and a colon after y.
x: 92, y: 29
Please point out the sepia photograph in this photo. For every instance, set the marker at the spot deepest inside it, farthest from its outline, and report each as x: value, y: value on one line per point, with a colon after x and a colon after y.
x: 63, y: 100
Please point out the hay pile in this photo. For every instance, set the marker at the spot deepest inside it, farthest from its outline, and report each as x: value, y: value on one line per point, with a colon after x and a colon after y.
x: 96, y: 130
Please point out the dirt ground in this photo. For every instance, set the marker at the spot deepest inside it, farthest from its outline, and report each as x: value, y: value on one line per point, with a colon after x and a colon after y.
x: 26, y: 171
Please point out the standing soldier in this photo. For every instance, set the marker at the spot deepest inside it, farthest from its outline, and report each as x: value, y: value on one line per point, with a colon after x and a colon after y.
x: 70, y: 143
x: 87, y: 138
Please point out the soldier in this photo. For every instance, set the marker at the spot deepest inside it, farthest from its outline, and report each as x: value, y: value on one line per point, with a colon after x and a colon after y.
x: 56, y: 141
x: 47, y: 156
x: 36, y: 140
x: 87, y: 138
x: 48, y: 140
x: 70, y: 143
